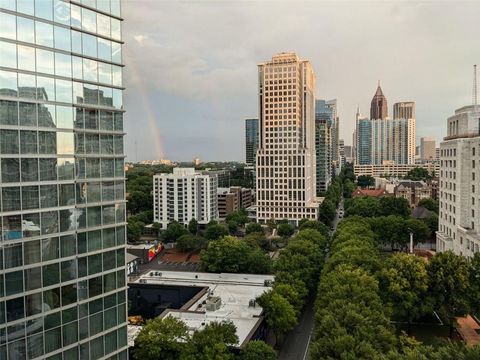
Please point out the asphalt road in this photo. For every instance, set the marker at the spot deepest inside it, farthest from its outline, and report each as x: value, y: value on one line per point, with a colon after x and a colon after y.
x: 295, y: 346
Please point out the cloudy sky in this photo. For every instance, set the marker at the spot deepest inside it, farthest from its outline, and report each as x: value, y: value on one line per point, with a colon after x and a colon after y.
x: 191, y: 73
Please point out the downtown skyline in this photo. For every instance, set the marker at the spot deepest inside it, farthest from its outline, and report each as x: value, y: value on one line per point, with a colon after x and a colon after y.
x: 204, y: 85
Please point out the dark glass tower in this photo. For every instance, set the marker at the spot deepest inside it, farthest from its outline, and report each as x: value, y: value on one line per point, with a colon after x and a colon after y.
x: 378, y: 107
x: 251, y: 140
x: 62, y: 186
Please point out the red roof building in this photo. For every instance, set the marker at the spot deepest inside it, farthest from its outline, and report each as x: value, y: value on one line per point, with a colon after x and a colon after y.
x: 378, y: 193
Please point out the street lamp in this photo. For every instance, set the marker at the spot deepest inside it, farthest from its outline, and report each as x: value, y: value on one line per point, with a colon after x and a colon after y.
x: 411, y: 240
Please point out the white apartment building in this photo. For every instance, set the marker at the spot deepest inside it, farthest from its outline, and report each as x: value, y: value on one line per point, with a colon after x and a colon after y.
x: 285, y: 171
x: 459, y: 220
x: 184, y: 195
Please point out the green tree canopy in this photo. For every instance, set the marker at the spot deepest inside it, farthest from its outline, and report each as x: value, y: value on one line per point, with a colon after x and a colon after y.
x: 253, y: 228
x: 365, y: 181
x: 213, y: 341
x: 257, y: 350
x: 474, y: 279
x: 390, y: 205
x: 448, y: 284
x: 364, y: 206
x: 315, y: 225
x: 230, y: 254
x: 419, y: 173
x: 193, y: 226
x: 162, y: 338
x: 404, y: 285
x: 190, y: 242
x: 430, y: 204
x: 215, y: 231
x: 280, y: 315
x: 173, y: 232
x: 327, y: 211
x: 285, y: 230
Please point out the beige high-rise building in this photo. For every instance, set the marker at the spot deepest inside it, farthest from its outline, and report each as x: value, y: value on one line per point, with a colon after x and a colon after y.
x: 286, y: 150
x: 404, y: 110
x: 428, y: 150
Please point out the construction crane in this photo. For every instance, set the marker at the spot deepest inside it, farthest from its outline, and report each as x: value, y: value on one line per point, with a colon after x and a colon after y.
x: 474, y: 92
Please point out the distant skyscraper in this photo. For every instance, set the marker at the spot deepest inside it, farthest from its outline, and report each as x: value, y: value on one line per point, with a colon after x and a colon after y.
x: 380, y: 141
x: 363, y: 143
x: 404, y: 110
x: 251, y: 140
x: 332, y: 105
x: 324, y: 123
x: 286, y: 154
x: 63, y: 278
x: 428, y: 149
x: 378, y: 106
x: 459, y: 217
x: 393, y: 140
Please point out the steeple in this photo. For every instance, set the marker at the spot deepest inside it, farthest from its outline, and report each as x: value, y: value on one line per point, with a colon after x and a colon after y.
x: 378, y: 107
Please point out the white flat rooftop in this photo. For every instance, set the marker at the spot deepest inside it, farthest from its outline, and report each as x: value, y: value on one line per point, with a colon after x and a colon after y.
x: 235, y: 290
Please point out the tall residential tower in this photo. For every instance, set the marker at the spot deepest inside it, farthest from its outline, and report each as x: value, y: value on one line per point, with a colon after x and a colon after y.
x: 286, y: 153
x: 63, y: 281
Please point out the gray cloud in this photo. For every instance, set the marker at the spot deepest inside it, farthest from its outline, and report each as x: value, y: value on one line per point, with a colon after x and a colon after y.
x: 193, y: 65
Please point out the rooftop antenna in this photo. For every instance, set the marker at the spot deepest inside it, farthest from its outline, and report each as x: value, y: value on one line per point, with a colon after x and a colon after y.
x: 474, y: 93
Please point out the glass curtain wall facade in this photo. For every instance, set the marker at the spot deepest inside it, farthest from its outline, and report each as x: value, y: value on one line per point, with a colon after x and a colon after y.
x: 62, y: 185
x: 251, y: 140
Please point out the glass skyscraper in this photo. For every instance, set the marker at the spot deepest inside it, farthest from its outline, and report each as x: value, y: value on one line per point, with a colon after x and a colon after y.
x: 251, y: 140
x: 62, y: 215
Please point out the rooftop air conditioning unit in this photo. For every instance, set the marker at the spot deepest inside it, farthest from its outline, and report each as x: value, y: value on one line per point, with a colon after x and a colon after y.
x: 213, y: 303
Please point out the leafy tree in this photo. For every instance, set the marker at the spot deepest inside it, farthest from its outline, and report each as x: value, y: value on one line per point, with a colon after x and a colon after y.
x: 348, y: 188
x: 432, y: 222
x: 190, y: 242
x: 230, y: 254
x: 257, y: 239
x: 215, y: 231
x: 350, y: 319
x: 315, y: 225
x: 241, y: 217
x: 291, y: 294
x: 285, y: 230
x: 365, y: 181
x: 156, y: 227
x: 213, y: 340
x: 404, y: 285
x: 193, y: 226
x: 253, y: 228
x: 139, y: 201
x: 421, y: 231
x: 429, y: 204
x: 419, y: 173
x: 474, y: 279
x: 364, y: 206
x: 232, y: 226
x: 173, y: 232
x: 394, y: 206
x: 162, y: 338
x: 257, y: 350
x: 389, y: 230
x: 327, y: 211
x: 280, y: 315
x: 134, y: 230
x: 448, y: 284
x: 258, y: 263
